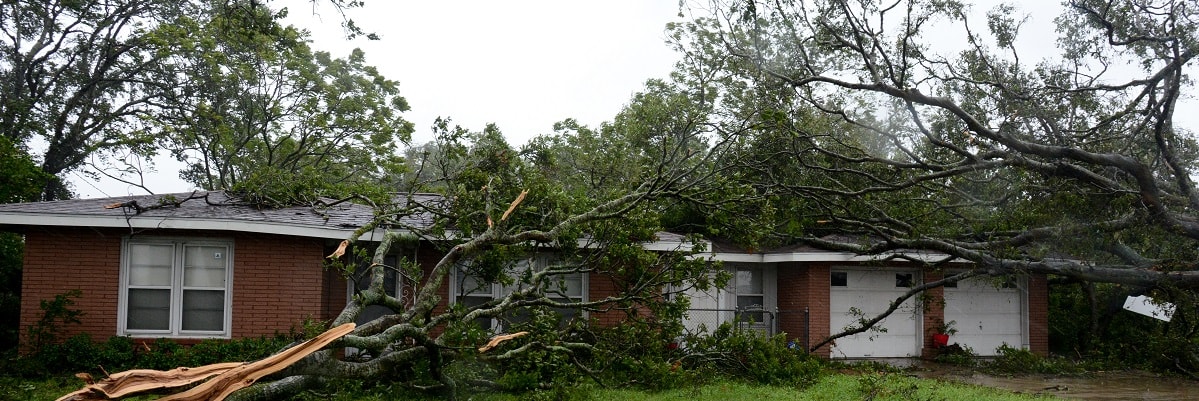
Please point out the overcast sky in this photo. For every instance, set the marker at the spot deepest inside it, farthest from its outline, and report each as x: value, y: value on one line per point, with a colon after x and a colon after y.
x: 522, y: 65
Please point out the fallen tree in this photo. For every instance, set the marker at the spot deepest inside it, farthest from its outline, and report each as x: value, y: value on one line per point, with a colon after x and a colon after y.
x: 1074, y: 165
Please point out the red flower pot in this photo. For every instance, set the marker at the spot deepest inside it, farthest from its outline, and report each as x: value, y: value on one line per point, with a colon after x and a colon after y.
x: 940, y: 340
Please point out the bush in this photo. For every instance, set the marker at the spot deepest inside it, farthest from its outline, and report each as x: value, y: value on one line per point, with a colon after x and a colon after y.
x: 752, y: 356
x: 80, y: 353
x: 1020, y: 361
x: 642, y: 352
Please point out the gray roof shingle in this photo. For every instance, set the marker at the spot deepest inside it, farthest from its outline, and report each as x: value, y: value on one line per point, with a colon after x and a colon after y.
x: 207, y: 210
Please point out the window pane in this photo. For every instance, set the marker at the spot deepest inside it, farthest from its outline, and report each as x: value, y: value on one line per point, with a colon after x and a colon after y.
x: 148, y: 310
x: 903, y: 280
x: 150, y: 264
x: 568, y: 314
x: 749, y: 281
x: 470, y: 302
x: 204, y: 266
x: 750, y: 302
x: 203, y: 310
x: 574, y: 285
x: 840, y: 279
x: 468, y: 284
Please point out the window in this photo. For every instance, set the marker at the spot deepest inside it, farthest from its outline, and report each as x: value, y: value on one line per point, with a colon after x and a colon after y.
x: 751, y: 293
x: 470, y: 291
x: 903, y: 280
x: 392, y: 284
x: 175, y: 288
x: 840, y: 279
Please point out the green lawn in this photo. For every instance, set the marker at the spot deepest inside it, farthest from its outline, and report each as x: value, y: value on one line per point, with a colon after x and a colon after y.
x: 869, y: 386
x: 876, y: 387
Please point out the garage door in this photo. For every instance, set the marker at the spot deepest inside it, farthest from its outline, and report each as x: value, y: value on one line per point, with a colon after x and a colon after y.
x: 986, y: 313
x: 871, y: 292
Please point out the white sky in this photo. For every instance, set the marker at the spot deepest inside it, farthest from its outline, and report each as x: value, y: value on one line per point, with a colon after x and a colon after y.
x: 522, y: 65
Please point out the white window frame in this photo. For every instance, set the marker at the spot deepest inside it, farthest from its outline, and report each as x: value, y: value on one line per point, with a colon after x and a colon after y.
x: 176, y: 287
x: 539, y: 262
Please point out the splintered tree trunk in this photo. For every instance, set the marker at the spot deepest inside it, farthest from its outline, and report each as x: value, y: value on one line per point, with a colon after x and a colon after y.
x: 230, y: 376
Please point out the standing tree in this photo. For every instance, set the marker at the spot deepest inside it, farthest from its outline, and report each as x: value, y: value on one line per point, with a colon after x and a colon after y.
x: 78, y: 78
x: 73, y: 75
x: 248, y: 105
x: 869, y: 124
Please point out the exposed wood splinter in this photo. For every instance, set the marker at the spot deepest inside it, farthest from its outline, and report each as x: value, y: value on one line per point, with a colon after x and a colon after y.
x: 230, y: 376
x: 495, y: 341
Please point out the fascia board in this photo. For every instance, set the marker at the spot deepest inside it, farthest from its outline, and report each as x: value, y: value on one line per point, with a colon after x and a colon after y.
x: 736, y: 257
x: 51, y: 220
x: 846, y: 257
x: 667, y: 246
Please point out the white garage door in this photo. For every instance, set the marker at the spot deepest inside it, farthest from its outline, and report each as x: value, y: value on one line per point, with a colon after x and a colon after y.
x: 986, y: 314
x: 870, y: 292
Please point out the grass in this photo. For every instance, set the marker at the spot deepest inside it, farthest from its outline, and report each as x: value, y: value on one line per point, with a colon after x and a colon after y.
x: 877, y: 387
x: 866, y: 386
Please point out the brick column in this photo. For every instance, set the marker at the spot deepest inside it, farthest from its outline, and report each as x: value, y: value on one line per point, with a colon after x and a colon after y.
x: 1038, y: 314
x: 816, y: 283
x: 934, y: 311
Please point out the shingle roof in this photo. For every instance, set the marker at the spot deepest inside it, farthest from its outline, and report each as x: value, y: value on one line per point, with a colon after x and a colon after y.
x: 207, y: 210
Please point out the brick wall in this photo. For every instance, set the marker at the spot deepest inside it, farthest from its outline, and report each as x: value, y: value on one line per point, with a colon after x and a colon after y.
x: 600, y: 286
x: 1038, y: 314
x: 816, y: 282
x: 73, y: 259
x: 934, y: 310
x: 278, y: 281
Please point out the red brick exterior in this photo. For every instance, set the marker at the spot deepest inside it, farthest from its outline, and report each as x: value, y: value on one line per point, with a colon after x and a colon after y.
x: 73, y: 259
x: 803, y: 289
x: 600, y: 287
x: 278, y: 281
x: 1038, y: 314
x: 934, y: 310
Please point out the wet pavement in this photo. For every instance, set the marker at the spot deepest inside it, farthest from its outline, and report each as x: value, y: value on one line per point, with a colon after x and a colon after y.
x: 1093, y: 386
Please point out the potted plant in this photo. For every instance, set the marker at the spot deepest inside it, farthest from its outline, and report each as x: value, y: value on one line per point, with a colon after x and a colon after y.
x: 943, y: 331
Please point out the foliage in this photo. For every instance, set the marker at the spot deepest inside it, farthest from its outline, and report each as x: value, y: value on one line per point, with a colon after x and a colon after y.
x: 753, y: 356
x: 1087, y: 322
x: 251, y: 108
x: 643, y: 352
x: 61, y: 84
x: 81, y: 353
x: 868, y: 136
x: 958, y: 355
x: 88, y: 79
x: 56, y: 313
x: 11, y: 250
x: 1020, y: 361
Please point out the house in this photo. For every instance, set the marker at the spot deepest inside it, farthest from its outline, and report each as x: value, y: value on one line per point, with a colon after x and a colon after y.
x: 202, y: 265
x: 811, y: 293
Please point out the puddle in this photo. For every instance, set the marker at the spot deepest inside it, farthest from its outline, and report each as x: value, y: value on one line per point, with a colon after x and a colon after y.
x: 1096, y: 386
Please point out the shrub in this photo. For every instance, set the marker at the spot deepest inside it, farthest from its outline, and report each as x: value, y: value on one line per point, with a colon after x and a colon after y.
x: 642, y: 352
x: 1014, y: 360
x: 80, y: 353
x: 751, y: 355
x: 56, y: 313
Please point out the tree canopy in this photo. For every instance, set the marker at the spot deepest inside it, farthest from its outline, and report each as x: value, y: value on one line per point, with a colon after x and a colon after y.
x: 1072, y: 165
